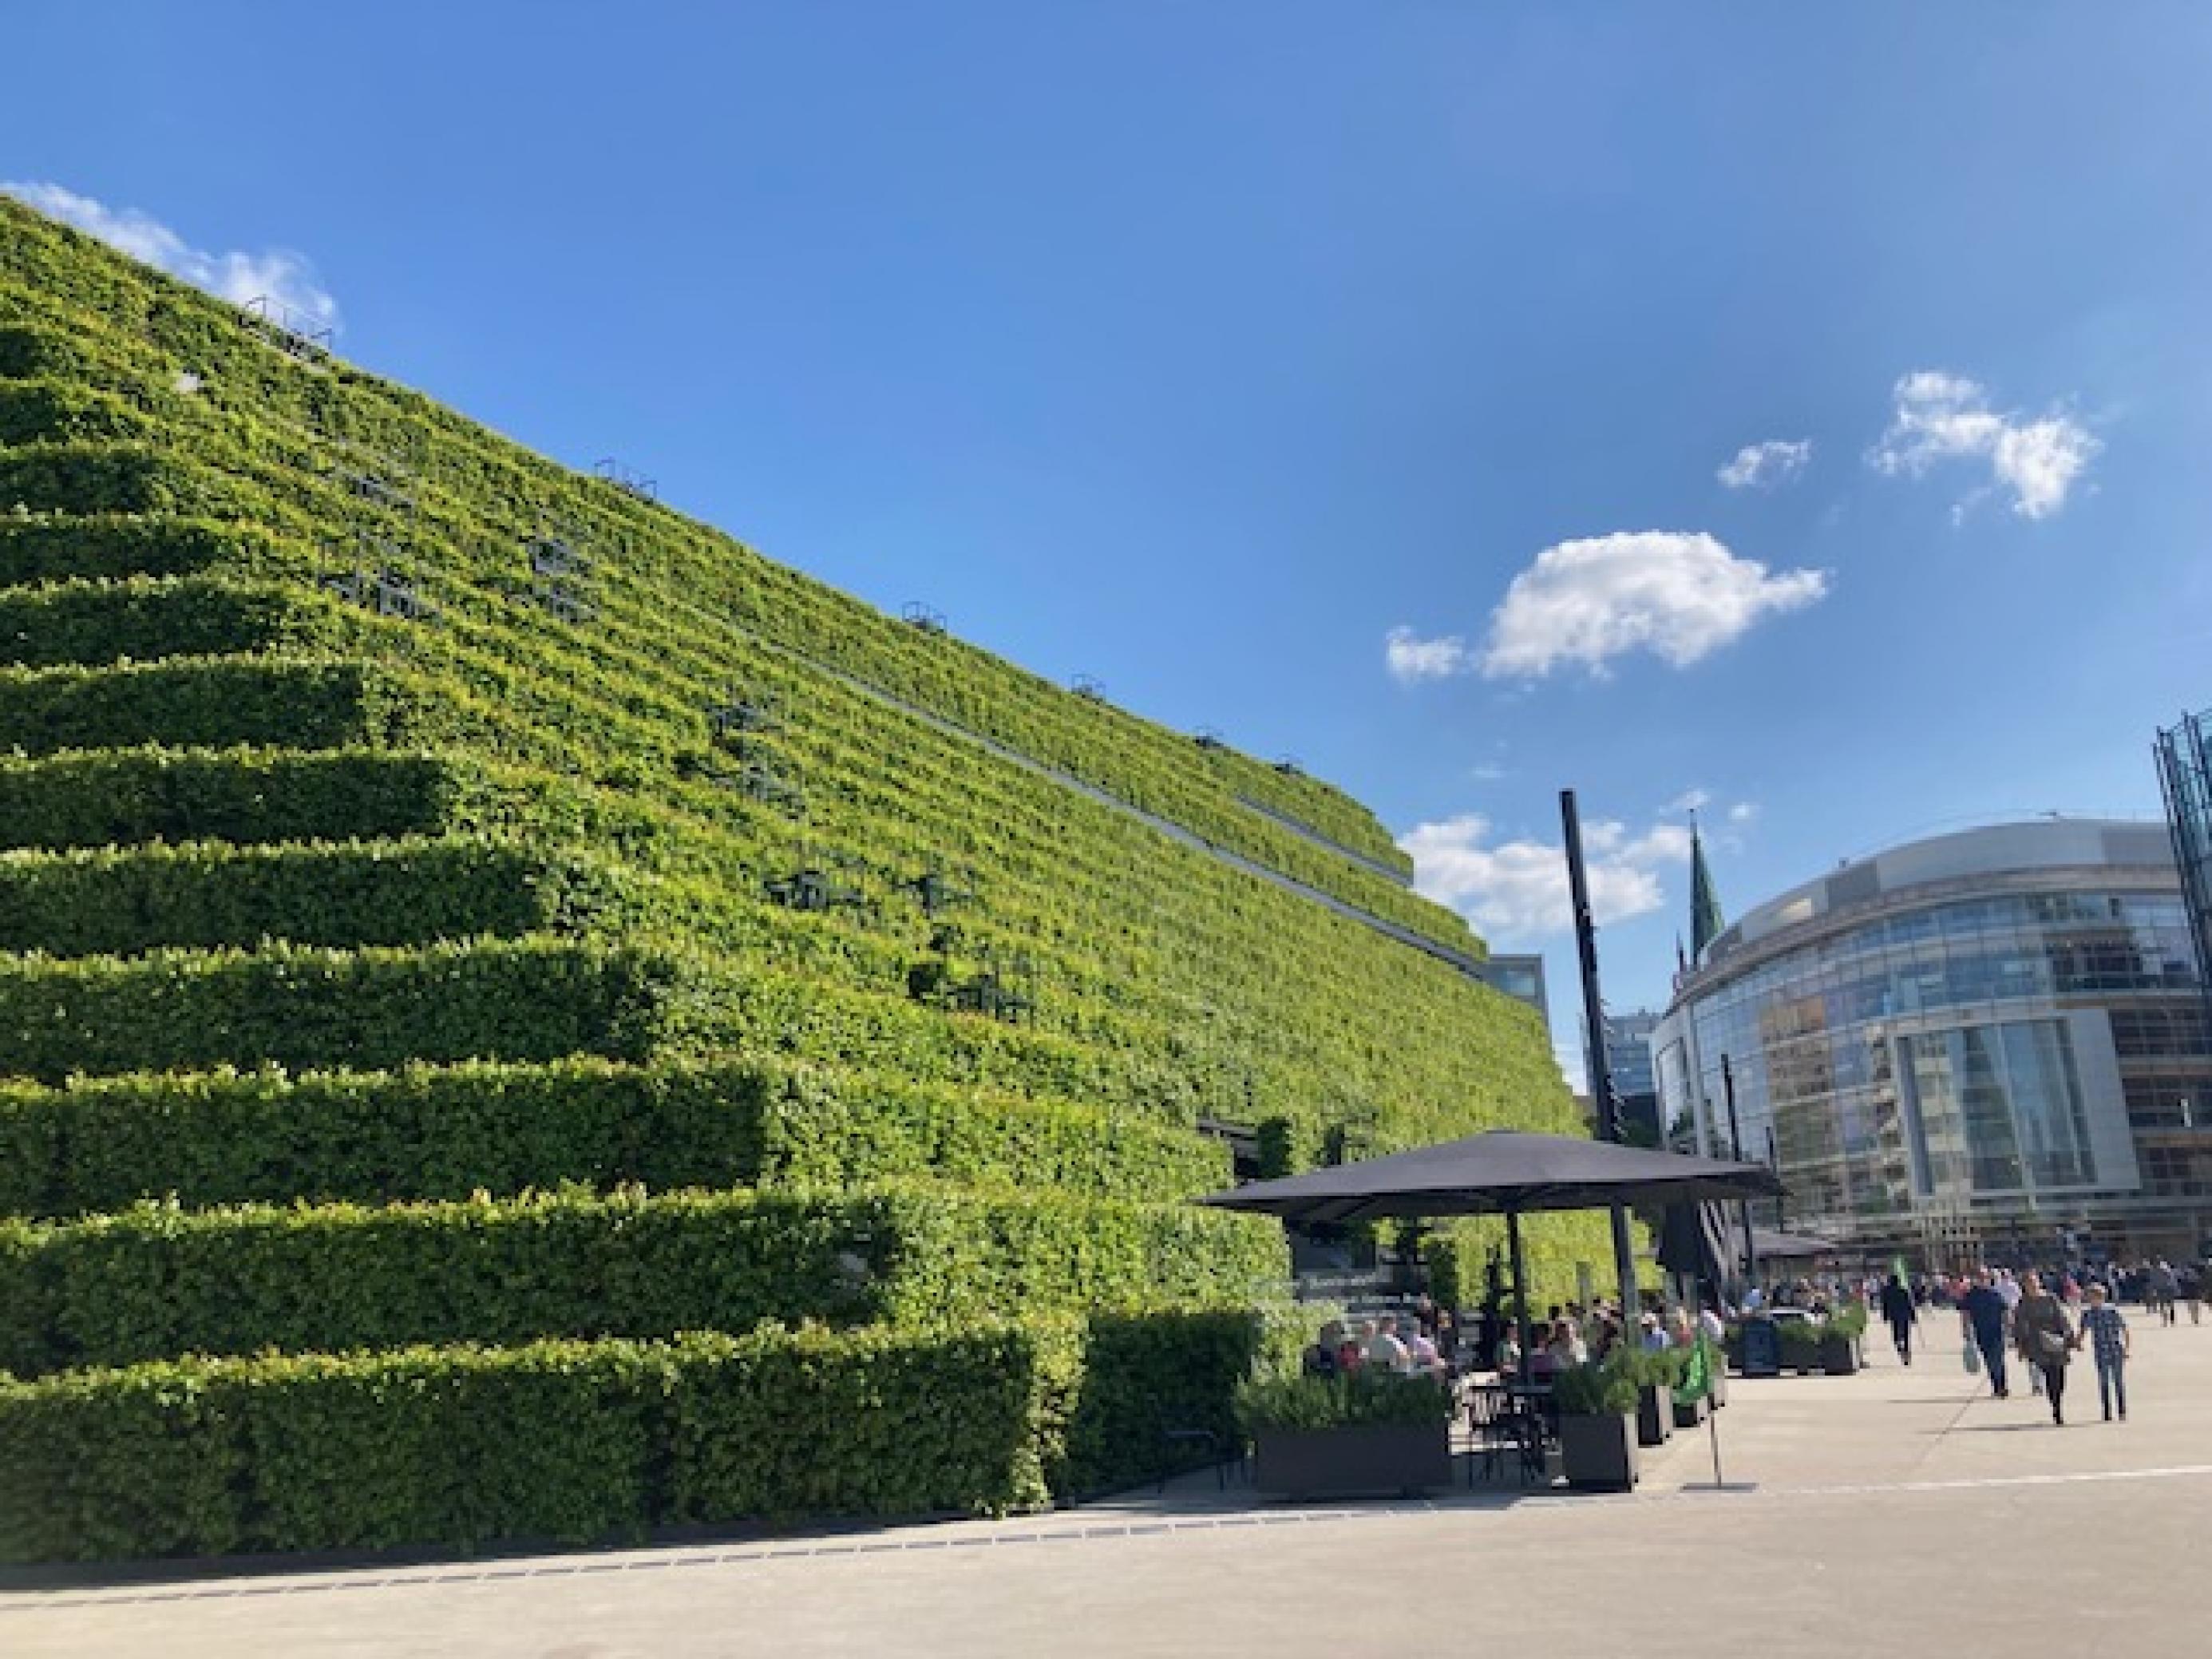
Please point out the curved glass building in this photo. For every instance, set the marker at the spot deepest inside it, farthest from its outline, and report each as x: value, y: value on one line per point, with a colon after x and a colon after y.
x: 1987, y: 1044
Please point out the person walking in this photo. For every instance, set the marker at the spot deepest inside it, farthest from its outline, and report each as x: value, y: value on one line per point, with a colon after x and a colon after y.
x: 2106, y: 1331
x: 2190, y: 1279
x: 2169, y: 1290
x: 2045, y: 1339
x: 1897, y: 1307
x: 1982, y: 1319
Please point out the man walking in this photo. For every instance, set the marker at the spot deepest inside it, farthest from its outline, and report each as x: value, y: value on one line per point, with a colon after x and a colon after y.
x: 1982, y: 1318
x: 1898, y: 1309
x: 2107, y: 1331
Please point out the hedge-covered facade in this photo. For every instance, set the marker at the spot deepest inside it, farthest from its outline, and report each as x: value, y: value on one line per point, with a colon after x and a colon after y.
x: 519, y: 1017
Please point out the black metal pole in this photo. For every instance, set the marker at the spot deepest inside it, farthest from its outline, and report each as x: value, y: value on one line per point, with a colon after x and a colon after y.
x: 1520, y: 1287
x: 1601, y: 1076
x: 1781, y: 1216
x: 1735, y: 1149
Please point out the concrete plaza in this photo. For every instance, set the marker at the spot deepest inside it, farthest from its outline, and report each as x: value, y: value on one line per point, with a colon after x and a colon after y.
x: 1898, y: 1512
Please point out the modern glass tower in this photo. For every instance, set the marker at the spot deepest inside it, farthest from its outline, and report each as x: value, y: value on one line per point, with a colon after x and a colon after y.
x: 2184, y: 773
x: 1992, y: 1044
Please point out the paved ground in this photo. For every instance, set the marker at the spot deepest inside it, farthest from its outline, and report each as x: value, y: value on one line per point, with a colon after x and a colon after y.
x: 1898, y: 1512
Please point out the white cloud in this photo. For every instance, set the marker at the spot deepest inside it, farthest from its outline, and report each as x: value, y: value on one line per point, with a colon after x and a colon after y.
x: 1764, y: 467
x: 1743, y: 812
x: 1690, y: 800
x: 1944, y: 416
x: 1411, y: 658
x: 1486, y: 772
x: 236, y: 275
x: 1517, y: 889
x: 1677, y: 594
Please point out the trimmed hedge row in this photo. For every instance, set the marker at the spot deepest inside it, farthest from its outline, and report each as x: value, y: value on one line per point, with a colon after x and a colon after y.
x: 248, y: 385
x: 108, y: 477
x: 155, y: 1281
x: 214, y: 896
x: 207, y: 701
x: 95, y: 624
x: 301, y: 1007
x: 132, y: 797
x: 52, y: 409
x: 582, y: 1442
x: 113, y: 547
x: 97, y: 1144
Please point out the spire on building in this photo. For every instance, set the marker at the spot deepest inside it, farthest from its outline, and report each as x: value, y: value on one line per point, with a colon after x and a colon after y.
x: 1705, y: 922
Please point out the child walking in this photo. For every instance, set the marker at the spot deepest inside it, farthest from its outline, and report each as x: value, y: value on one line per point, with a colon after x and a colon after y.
x: 2107, y: 1331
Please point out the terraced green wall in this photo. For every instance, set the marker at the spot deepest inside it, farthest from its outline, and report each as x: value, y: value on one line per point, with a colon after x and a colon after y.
x: 402, y: 992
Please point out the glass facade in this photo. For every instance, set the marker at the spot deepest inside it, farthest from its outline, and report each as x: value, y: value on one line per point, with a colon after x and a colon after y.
x: 1956, y: 1064
x: 2185, y: 774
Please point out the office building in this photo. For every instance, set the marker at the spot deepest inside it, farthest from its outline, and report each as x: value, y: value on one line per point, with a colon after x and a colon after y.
x: 1985, y: 1045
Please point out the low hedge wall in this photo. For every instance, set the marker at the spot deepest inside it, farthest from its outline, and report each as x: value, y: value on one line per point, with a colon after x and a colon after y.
x: 129, y: 797
x: 581, y: 1442
x: 49, y: 410
x: 301, y: 1007
x: 155, y: 1281
x: 96, y: 1144
x: 210, y: 896
x: 203, y: 701
x: 104, y: 476
x: 93, y: 624
x: 109, y: 545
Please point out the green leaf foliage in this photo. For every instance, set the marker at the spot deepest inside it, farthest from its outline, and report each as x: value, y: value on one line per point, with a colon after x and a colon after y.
x: 302, y: 1007
x: 154, y: 1282
x: 446, y: 1132
x: 1289, y: 1400
x: 575, y: 1442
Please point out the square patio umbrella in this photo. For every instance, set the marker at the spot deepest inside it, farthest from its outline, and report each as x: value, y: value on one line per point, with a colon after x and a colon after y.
x: 1505, y: 1172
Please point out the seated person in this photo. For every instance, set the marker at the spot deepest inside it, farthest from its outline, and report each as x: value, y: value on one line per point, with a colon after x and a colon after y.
x: 1384, y: 1349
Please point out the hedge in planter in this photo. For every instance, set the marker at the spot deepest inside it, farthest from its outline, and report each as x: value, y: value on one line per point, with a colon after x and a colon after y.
x: 427, y: 1132
x: 529, y: 999
x: 154, y: 1282
x: 577, y: 1441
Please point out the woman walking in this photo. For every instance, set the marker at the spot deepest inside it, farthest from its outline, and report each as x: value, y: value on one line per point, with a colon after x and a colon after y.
x: 2109, y: 1341
x: 2045, y: 1339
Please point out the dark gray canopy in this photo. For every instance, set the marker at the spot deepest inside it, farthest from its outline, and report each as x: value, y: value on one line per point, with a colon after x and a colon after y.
x: 1504, y: 1171
x: 1790, y: 1247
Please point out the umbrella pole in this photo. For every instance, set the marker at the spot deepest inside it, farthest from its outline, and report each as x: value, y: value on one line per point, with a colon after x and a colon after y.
x: 1520, y: 1287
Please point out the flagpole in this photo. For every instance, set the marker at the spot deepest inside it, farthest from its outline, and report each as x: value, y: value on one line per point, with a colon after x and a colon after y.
x: 1713, y: 1424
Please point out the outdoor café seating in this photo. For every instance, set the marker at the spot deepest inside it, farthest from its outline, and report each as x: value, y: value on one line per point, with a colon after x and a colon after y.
x: 1509, y: 1424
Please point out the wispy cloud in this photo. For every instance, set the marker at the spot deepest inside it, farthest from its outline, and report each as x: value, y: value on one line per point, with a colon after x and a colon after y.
x: 237, y: 275
x: 1410, y: 659
x: 1743, y: 812
x: 1517, y: 889
x: 1690, y: 800
x: 1941, y: 416
x: 1766, y: 465
x: 1677, y: 594
x: 1486, y: 772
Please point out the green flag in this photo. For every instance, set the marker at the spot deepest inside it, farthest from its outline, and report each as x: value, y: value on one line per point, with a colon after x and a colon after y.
x: 1698, y: 1375
x: 1706, y: 922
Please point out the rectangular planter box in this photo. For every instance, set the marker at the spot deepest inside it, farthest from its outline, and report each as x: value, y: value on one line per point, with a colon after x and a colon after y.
x: 1370, y: 1460
x: 1598, y: 1453
x: 1693, y: 1414
x: 1654, y: 1417
x: 1839, y: 1355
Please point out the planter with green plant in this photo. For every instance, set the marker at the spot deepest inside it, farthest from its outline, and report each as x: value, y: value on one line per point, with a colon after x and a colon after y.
x: 1597, y: 1427
x: 1657, y: 1374
x: 1367, y: 1432
x: 1840, y: 1337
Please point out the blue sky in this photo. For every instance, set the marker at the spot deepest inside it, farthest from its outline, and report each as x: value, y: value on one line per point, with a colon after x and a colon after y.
x: 1205, y: 347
